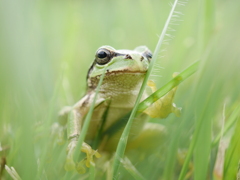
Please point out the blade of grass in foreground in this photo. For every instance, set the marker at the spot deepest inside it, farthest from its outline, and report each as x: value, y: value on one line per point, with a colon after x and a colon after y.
x: 202, y: 148
x: 229, y: 124
x: 131, y: 169
x: 154, y: 97
x: 167, y: 87
x: 190, y: 151
x: 88, y: 118
x: 232, y: 154
x: 86, y: 123
x: 123, y: 140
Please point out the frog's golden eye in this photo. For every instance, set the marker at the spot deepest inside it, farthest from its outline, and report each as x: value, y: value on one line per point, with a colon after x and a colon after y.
x: 103, y: 56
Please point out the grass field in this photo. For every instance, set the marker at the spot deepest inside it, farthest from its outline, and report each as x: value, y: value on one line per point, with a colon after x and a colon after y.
x: 47, y: 47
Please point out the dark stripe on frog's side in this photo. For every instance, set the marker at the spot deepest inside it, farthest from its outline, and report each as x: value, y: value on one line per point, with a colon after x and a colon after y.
x: 99, y: 135
x: 116, y: 126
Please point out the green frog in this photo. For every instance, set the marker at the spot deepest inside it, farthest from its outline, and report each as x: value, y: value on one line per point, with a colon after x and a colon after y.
x: 125, y: 71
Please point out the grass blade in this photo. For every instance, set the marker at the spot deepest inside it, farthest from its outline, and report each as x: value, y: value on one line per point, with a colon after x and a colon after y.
x: 167, y: 87
x: 232, y: 154
x: 88, y: 118
x: 229, y: 124
x: 123, y: 140
x: 86, y: 123
x: 131, y: 169
x: 203, y: 148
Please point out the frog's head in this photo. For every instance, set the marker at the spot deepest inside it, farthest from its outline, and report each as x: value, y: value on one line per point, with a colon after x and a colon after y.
x: 119, y: 63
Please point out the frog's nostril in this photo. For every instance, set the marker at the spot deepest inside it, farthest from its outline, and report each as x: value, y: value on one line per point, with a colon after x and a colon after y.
x: 127, y: 56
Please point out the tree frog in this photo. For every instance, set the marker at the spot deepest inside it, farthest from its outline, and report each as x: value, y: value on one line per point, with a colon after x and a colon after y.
x: 124, y: 75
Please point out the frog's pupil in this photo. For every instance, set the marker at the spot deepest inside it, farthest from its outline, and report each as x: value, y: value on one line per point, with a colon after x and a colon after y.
x: 102, y: 54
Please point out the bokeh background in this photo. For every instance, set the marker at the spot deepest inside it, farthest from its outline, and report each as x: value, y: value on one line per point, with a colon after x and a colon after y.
x: 47, y: 46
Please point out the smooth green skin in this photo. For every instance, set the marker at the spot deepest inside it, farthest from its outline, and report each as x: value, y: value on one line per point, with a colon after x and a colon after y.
x: 120, y: 63
x: 117, y: 94
x: 121, y: 85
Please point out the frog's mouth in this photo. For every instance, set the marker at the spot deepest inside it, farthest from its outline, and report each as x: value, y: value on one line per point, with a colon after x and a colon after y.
x: 125, y: 71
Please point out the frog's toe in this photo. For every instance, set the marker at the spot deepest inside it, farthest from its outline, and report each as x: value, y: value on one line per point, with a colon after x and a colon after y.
x: 90, y: 153
x: 97, y: 154
x: 86, y: 162
x: 80, y: 167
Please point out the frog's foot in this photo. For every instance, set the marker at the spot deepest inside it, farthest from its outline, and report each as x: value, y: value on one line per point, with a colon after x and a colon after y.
x: 90, y: 153
x: 164, y: 106
x: 86, y: 162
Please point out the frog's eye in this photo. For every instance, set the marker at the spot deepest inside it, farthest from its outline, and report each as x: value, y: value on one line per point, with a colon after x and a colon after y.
x: 103, y: 56
x: 148, y: 55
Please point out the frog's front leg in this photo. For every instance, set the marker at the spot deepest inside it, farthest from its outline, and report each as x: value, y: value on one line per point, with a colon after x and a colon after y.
x: 75, y: 121
x: 164, y: 106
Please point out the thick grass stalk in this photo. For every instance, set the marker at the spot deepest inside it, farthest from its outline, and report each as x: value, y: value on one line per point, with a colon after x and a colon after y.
x: 86, y: 125
x: 88, y: 119
x: 48, y: 124
x: 123, y: 140
x: 229, y: 124
x: 167, y: 87
x: 232, y: 157
x: 190, y: 151
x: 202, y: 149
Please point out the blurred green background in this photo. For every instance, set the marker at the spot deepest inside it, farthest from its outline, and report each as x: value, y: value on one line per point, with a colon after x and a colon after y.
x: 47, y: 47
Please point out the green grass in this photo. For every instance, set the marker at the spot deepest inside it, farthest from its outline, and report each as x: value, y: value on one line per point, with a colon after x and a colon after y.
x: 124, y: 137
x: 47, y: 47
